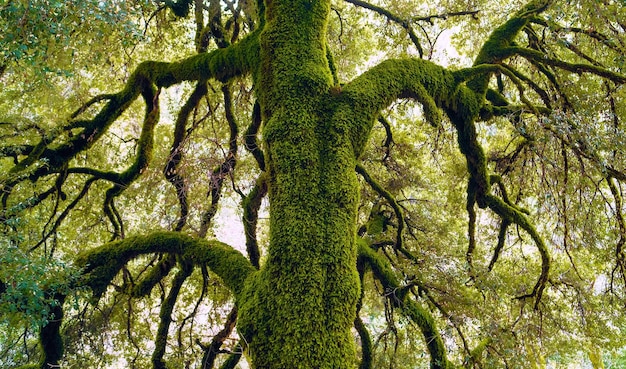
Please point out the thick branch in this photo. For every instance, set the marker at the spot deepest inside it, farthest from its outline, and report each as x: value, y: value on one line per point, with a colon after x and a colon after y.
x: 102, y: 264
x: 429, y: 84
x: 398, y: 296
x: 503, y: 37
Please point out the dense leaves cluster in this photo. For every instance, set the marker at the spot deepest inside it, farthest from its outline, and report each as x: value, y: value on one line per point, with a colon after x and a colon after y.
x: 44, y: 35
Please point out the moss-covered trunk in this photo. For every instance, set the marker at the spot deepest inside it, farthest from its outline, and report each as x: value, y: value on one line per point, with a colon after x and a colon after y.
x: 304, y: 298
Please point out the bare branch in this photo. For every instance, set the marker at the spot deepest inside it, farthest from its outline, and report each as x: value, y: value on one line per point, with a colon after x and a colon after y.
x: 228, y: 165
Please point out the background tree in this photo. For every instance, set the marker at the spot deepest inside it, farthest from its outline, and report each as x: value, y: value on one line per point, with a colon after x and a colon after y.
x: 423, y: 210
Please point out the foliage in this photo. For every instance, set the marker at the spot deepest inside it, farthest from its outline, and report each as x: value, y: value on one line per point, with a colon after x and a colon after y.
x: 29, y: 286
x: 45, y: 35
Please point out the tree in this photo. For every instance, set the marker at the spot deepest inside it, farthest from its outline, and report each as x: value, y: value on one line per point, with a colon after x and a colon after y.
x: 332, y: 224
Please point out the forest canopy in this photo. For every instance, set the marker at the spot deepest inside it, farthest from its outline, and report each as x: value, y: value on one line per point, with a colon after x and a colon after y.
x: 312, y: 184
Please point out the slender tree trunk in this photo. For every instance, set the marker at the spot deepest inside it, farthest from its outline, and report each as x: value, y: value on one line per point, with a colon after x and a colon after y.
x: 300, y: 311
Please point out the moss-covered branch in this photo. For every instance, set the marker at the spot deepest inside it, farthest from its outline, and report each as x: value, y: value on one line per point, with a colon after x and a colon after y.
x: 362, y: 331
x: 250, y: 136
x: 165, y: 315
x: 102, y: 264
x: 365, y: 96
x: 366, y: 343
x: 154, y: 276
x: 476, y: 354
x: 503, y: 37
x: 251, y: 205
x: 470, y: 206
x: 399, y: 297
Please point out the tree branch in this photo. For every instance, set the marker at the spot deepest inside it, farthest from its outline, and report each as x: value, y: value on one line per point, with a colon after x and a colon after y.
x: 578, y: 68
x: 431, y: 85
x: 511, y: 214
x: 503, y: 37
x: 211, y: 351
x: 251, y: 205
x: 228, y: 165
x: 420, y: 316
x: 171, y: 170
x: 165, y: 315
x: 101, y: 265
x: 250, y: 136
x: 399, y: 245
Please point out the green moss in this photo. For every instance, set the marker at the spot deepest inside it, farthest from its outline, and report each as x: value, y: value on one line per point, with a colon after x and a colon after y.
x: 309, y: 278
x: 366, y: 344
x: 362, y: 99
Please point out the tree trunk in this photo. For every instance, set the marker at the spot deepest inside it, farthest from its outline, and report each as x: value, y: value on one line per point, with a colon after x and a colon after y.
x: 299, y: 311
